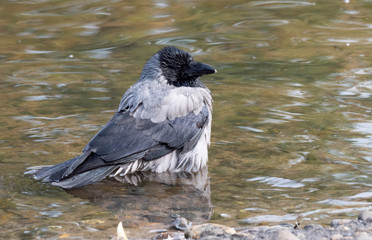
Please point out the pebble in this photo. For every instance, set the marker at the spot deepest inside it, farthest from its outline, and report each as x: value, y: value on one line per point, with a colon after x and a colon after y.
x: 182, y: 223
x: 362, y: 236
x: 313, y: 227
x: 339, y: 222
x: 365, y: 216
x: 337, y: 236
x: 283, y: 234
x: 210, y: 229
x: 344, y: 228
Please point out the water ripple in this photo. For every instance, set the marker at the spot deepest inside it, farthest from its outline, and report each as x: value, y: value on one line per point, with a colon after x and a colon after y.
x: 300, y: 158
x: 277, y: 182
x: 364, y: 128
x: 156, y: 31
x: 348, y: 41
x: 281, y: 4
x: 178, y: 41
x: 362, y: 71
x: 369, y: 109
x: 43, y: 97
x: 100, y: 53
x: 256, y: 130
x: 30, y: 118
x: 270, y: 218
x: 28, y: 51
x: 349, y: 210
x: 348, y: 25
x: 52, y: 214
x: 260, y: 23
x: 253, y: 209
x: 297, y: 93
x: 355, y: 90
x: 342, y: 202
x: 67, y: 8
x: 285, y: 115
x: 90, y: 29
x: 101, y: 98
x: 361, y: 195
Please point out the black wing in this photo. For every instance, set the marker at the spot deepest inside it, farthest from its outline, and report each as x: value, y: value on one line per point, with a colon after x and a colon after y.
x: 125, y: 139
x: 125, y: 136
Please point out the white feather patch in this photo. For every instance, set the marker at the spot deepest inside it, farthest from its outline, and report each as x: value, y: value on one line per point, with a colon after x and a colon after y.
x: 176, y: 161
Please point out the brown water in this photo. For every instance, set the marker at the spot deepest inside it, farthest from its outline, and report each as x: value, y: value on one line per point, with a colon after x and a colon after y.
x: 292, y: 124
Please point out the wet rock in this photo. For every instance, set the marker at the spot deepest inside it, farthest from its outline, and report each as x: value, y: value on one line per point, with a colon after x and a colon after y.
x: 204, y: 231
x: 314, y: 227
x: 274, y: 232
x: 181, y: 223
x: 301, y: 235
x: 348, y: 238
x: 362, y: 236
x: 339, y: 222
x: 242, y: 236
x: 283, y: 234
x: 337, y: 236
x: 170, y: 235
x: 365, y: 216
x: 344, y: 228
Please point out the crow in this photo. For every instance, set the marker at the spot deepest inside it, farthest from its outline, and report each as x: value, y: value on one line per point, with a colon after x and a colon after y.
x: 163, y: 124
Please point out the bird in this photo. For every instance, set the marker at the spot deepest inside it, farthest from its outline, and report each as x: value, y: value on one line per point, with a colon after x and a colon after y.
x: 162, y: 124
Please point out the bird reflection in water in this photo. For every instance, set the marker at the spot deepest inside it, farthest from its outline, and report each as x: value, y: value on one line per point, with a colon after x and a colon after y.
x: 151, y: 197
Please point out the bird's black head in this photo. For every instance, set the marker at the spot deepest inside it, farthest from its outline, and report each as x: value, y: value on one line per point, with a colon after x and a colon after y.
x: 180, y: 69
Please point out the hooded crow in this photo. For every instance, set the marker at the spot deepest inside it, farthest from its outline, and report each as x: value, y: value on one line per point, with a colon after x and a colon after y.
x: 163, y: 124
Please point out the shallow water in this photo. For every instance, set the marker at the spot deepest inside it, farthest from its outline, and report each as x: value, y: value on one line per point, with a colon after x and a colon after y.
x: 292, y: 123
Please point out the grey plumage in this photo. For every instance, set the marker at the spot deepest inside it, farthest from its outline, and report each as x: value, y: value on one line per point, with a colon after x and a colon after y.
x: 162, y: 124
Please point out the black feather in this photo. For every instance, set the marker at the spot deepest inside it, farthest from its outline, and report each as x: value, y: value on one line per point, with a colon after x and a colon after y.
x: 85, y: 178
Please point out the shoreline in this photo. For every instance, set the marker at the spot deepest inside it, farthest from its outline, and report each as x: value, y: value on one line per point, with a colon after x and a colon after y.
x: 339, y: 229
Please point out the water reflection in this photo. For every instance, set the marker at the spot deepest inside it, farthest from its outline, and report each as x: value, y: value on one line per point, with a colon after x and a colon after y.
x: 146, y: 198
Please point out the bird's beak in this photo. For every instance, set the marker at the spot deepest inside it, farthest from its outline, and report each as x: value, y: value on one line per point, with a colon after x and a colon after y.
x: 197, y: 69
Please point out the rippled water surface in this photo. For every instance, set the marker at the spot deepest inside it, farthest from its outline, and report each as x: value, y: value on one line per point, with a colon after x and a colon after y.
x: 292, y: 123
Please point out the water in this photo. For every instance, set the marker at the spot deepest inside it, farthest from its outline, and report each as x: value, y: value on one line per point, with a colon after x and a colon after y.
x: 292, y: 119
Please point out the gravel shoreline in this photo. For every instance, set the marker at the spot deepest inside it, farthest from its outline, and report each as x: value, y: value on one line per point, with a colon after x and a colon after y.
x: 339, y: 229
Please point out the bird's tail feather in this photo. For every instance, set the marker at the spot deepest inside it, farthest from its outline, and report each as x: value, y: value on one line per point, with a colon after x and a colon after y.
x: 51, y: 173
x: 65, y: 175
x: 85, y: 178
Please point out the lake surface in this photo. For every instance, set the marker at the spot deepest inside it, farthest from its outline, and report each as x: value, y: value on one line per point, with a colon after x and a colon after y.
x: 292, y: 123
